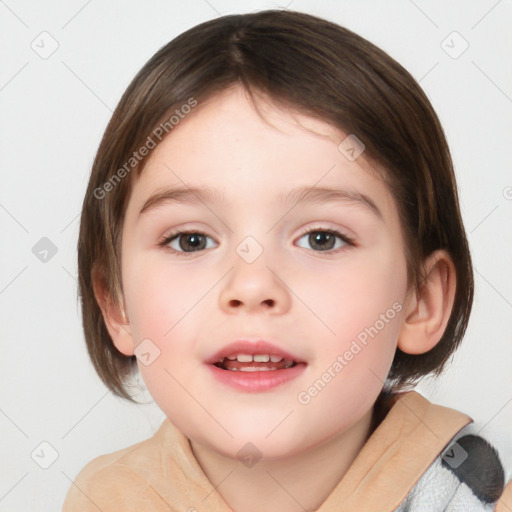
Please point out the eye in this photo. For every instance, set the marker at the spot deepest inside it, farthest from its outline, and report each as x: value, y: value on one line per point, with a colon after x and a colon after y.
x: 320, y: 240
x: 325, y: 239
x: 186, y: 241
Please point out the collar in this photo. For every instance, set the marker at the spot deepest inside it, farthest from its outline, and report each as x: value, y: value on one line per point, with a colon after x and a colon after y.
x: 396, y: 455
x: 413, y: 433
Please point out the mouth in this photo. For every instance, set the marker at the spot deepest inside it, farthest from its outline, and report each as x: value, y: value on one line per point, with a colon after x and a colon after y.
x: 255, y: 366
x: 253, y: 356
x: 254, y: 363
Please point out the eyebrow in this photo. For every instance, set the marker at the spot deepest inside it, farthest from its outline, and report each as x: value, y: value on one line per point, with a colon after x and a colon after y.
x: 311, y: 195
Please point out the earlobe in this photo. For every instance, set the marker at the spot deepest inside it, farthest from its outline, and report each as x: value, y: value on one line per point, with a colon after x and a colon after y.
x: 114, y: 316
x: 428, y: 310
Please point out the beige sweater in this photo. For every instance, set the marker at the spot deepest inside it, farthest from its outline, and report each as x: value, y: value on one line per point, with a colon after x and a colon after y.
x: 162, y: 474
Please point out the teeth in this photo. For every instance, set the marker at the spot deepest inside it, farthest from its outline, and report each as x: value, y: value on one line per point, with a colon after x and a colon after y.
x: 253, y: 369
x: 258, y: 358
x: 261, y: 358
x: 257, y: 369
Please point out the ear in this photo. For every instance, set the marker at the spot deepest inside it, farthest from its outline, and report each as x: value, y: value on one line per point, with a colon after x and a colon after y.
x: 427, y: 311
x: 114, y: 315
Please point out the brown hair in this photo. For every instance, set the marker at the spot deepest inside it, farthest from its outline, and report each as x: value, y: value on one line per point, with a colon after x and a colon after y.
x: 320, y: 69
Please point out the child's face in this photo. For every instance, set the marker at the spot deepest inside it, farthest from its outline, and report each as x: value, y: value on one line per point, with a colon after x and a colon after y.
x: 307, y: 302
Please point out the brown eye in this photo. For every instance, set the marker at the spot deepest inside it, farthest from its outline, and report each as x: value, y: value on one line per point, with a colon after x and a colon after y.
x: 325, y: 239
x: 188, y: 242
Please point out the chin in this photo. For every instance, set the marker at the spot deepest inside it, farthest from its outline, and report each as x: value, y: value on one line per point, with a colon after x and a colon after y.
x: 257, y: 450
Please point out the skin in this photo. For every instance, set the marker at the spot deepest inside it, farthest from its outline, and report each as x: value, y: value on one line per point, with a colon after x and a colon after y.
x: 312, y: 303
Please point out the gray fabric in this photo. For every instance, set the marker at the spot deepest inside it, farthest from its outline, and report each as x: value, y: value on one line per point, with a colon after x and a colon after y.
x: 439, y: 489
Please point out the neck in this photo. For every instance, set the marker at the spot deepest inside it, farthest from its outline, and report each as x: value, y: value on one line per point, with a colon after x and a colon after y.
x: 295, y: 484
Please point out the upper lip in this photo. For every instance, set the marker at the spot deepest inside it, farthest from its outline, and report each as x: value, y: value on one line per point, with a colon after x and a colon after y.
x: 252, y: 348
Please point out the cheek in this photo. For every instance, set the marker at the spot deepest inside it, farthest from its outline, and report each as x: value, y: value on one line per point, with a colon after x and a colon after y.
x: 161, y: 300
x: 355, y: 296
x: 362, y: 305
x: 158, y: 295
x: 167, y: 303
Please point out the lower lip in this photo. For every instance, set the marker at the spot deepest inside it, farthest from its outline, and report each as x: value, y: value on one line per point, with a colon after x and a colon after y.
x: 257, y: 381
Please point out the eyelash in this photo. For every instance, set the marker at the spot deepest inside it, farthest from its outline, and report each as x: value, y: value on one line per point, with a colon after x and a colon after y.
x: 348, y: 240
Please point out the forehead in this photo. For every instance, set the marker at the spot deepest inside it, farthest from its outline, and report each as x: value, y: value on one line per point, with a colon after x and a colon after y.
x: 227, y: 145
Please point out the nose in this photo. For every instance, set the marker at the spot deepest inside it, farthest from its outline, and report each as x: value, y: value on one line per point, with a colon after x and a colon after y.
x: 255, y: 288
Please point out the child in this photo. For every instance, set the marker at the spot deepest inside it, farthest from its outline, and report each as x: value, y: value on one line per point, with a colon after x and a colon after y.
x: 328, y: 270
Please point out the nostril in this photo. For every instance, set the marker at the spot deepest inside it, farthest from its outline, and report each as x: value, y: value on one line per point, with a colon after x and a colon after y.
x: 237, y: 303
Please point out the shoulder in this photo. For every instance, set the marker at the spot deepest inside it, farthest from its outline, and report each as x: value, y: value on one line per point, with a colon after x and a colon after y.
x: 468, y: 474
x: 475, y: 463
x: 104, y: 487
x: 117, y: 481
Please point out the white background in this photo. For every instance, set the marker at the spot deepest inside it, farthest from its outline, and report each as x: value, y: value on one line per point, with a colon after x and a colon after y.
x: 54, y: 111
